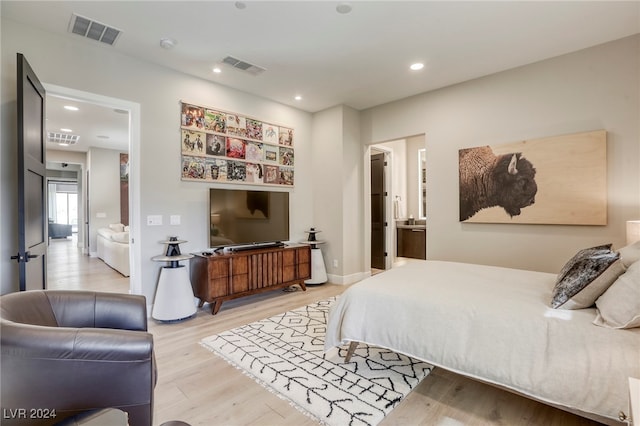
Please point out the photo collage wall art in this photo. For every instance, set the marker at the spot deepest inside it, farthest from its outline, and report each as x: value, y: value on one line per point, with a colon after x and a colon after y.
x: 220, y: 146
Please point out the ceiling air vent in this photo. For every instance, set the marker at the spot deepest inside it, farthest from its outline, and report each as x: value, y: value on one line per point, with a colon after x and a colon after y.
x: 62, y: 138
x: 93, y: 30
x: 244, y: 66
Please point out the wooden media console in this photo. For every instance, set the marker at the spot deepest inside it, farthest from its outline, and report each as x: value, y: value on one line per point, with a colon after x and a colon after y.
x: 228, y: 275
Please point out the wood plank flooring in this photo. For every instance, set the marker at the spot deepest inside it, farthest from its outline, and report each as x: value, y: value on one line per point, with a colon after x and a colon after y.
x: 197, y: 387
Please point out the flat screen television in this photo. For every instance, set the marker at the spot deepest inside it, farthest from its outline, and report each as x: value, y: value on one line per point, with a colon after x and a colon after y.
x: 243, y: 218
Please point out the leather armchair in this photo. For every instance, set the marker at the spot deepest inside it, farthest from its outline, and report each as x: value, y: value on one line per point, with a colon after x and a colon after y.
x: 74, y: 351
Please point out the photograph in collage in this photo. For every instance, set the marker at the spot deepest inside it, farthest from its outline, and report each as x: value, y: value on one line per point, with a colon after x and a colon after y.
x: 271, y: 175
x: 215, y: 121
x: 193, y: 167
x: 216, y: 145
x: 192, y: 116
x: 216, y: 169
x: 254, y: 173
x: 236, y: 125
x: 236, y: 170
x: 253, y: 151
x: 235, y: 148
x: 286, y: 175
x: 286, y: 157
x: 269, y: 133
x: 193, y: 142
x: 286, y: 136
x: 270, y: 154
x: 254, y: 129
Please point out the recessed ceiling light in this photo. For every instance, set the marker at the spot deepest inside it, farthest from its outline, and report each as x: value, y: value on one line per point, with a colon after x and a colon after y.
x: 66, y: 130
x: 217, y: 70
x: 168, y: 43
x: 417, y: 66
x: 298, y: 98
x: 343, y: 8
x: 70, y: 108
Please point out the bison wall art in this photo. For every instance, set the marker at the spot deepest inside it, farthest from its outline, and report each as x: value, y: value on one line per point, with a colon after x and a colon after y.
x: 489, y: 180
x: 555, y: 180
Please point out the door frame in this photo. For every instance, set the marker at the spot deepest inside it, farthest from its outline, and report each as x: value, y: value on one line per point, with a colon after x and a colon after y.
x: 135, y: 223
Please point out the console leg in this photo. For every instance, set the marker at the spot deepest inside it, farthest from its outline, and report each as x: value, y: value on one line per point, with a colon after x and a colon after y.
x: 215, y: 306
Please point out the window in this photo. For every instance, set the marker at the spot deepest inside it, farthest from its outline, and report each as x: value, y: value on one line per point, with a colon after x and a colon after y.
x: 63, y: 203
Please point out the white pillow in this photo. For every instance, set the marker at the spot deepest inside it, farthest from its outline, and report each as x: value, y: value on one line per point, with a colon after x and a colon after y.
x: 619, y: 306
x: 630, y: 254
x: 118, y: 227
x: 120, y: 237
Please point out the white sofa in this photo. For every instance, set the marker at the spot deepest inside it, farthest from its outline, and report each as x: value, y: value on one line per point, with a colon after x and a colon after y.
x: 113, y: 247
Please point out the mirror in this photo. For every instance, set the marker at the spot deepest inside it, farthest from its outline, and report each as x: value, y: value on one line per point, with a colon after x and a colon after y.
x: 422, y: 183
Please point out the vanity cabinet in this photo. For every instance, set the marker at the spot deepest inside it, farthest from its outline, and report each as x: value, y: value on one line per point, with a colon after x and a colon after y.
x: 412, y: 242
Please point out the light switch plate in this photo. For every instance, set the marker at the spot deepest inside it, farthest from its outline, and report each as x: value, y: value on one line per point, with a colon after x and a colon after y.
x: 154, y: 220
x: 174, y: 219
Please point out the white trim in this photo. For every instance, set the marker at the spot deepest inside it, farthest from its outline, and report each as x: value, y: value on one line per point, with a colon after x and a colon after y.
x: 348, y: 279
x: 135, y: 255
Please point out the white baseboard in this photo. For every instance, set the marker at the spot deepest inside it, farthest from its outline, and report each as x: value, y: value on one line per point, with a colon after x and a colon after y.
x: 348, y: 279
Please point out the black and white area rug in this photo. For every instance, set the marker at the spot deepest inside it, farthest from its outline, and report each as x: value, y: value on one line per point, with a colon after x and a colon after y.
x: 285, y: 354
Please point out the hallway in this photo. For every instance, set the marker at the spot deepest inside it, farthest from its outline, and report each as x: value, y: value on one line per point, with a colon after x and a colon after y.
x: 69, y: 269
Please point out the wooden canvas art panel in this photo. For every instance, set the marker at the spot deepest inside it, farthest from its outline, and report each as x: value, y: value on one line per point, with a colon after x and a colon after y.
x: 569, y: 186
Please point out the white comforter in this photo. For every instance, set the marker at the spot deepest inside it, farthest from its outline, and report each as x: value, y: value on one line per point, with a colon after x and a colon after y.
x: 492, y: 324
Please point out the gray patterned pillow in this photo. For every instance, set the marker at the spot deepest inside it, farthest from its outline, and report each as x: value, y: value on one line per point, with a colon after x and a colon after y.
x: 585, y: 277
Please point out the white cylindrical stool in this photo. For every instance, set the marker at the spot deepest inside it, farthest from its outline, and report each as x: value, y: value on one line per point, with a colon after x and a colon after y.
x: 174, y: 295
x: 318, y: 270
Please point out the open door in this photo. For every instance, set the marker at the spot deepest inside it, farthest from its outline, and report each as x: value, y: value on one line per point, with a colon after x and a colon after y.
x: 32, y: 195
x: 378, y: 217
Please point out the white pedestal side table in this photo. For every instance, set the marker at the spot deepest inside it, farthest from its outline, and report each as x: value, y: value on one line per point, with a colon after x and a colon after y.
x: 174, y: 295
x: 318, y: 270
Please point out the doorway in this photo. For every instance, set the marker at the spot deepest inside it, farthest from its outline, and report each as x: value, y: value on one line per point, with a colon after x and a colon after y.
x: 132, y: 113
x: 403, y: 183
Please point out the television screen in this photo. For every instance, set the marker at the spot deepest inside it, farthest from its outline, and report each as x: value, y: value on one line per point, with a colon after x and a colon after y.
x: 238, y: 217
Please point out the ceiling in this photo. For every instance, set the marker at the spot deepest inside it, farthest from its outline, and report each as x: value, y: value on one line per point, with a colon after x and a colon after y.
x: 360, y: 59
x: 96, y: 126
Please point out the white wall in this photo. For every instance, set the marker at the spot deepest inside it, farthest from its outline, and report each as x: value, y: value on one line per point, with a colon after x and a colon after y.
x: 81, y: 65
x: 104, y: 192
x: 327, y: 186
x: 337, y: 189
x: 591, y: 89
x: 597, y: 88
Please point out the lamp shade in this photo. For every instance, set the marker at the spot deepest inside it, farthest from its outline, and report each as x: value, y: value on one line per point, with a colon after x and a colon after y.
x: 633, y: 231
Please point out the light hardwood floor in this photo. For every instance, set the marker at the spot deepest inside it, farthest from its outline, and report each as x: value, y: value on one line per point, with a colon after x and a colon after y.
x: 197, y: 387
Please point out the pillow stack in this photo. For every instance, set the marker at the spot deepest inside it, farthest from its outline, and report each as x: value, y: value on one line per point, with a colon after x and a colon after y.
x: 608, y: 279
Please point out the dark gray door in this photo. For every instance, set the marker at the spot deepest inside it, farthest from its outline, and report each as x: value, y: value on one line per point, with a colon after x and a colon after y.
x: 32, y: 201
x: 378, y: 219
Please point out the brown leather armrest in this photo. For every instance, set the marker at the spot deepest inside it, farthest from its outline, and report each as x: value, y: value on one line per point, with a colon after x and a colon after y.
x: 28, y: 341
x: 99, y: 310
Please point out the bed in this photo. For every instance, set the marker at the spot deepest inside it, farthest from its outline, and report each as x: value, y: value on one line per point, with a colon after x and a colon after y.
x: 495, y: 325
